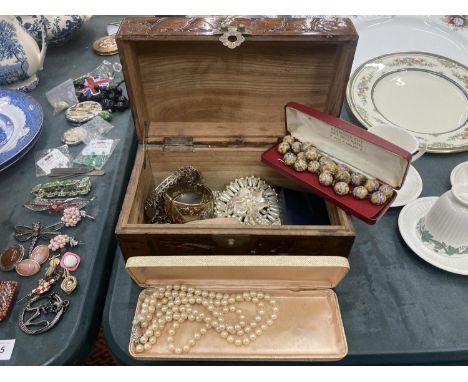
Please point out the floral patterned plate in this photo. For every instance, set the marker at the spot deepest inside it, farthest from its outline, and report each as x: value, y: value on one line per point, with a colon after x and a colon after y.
x: 422, y: 243
x: 424, y: 93
x: 20, y: 125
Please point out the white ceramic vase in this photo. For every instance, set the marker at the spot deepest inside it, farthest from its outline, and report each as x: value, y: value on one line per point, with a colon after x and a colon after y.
x: 20, y: 56
x: 445, y: 227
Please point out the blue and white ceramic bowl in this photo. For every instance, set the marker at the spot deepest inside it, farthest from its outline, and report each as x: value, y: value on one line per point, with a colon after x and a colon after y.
x: 20, y: 125
x: 59, y: 28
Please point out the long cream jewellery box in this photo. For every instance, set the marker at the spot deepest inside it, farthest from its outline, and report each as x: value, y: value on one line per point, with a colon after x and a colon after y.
x: 308, y: 325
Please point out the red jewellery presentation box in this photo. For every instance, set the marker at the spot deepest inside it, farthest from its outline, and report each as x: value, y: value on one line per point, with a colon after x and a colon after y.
x: 347, y: 144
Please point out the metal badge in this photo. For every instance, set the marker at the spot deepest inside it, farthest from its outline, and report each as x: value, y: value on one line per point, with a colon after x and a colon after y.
x: 54, y: 305
x: 83, y: 111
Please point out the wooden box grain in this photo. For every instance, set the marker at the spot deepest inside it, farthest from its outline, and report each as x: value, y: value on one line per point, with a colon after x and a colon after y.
x: 229, y: 104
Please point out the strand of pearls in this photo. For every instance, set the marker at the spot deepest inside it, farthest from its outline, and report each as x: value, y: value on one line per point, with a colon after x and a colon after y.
x: 175, y: 304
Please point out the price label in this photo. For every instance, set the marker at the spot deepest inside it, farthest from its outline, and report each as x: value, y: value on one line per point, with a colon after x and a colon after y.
x: 6, y: 348
x: 52, y: 160
x: 99, y: 147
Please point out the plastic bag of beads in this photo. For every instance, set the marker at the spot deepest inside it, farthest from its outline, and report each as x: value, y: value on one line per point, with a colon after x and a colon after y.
x: 97, y: 153
x: 95, y: 129
x: 48, y: 159
x: 62, y: 96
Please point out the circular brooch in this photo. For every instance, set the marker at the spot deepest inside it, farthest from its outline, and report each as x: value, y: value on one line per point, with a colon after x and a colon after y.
x: 83, y: 112
x: 251, y: 200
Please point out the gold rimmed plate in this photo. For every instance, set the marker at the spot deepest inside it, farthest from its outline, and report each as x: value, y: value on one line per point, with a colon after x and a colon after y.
x: 421, y: 92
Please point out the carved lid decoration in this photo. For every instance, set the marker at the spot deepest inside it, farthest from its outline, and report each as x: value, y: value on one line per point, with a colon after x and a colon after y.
x: 152, y: 27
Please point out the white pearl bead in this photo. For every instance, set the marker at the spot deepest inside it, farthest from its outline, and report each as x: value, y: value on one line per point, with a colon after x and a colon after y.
x: 170, y: 339
x: 230, y: 339
x: 171, y: 332
x: 246, y: 341
x: 147, y: 346
x: 269, y: 322
x: 253, y: 324
x: 152, y: 340
x: 252, y: 336
x: 178, y: 350
x: 186, y: 348
x: 143, y: 340
x: 197, y: 336
x: 203, y: 331
x: 148, y: 333
x: 157, y: 333
x: 139, y: 348
x: 264, y: 327
x: 247, y: 329
x: 238, y: 342
x: 240, y: 332
x: 224, y: 334
x: 259, y: 332
x: 171, y: 347
x: 144, y: 324
x: 274, y: 316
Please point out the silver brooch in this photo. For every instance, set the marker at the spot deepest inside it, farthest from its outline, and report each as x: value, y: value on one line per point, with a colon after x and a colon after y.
x: 251, y: 200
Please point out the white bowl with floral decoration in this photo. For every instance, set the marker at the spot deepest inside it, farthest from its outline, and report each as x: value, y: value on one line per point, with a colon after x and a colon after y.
x: 436, y: 229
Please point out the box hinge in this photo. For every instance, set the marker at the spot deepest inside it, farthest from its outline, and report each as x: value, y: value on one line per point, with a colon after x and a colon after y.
x: 181, y: 143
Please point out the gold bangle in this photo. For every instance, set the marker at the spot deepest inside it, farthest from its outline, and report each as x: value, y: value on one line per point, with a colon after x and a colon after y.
x: 189, y: 202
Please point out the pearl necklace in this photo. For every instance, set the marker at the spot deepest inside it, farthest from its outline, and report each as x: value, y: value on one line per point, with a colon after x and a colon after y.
x: 174, y: 304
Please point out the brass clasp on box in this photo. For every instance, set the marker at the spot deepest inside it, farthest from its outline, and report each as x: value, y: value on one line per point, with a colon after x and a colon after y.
x: 232, y: 36
x: 226, y: 241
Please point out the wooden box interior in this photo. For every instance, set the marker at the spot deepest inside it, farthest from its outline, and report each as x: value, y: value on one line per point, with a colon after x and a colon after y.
x: 216, y: 95
x: 218, y: 166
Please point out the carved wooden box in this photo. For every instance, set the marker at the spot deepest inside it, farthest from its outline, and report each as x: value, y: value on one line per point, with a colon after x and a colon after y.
x: 185, y: 78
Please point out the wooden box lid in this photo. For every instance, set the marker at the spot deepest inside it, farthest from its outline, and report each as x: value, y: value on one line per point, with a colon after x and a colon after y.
x: 182, y: 80
x: 308, y: 326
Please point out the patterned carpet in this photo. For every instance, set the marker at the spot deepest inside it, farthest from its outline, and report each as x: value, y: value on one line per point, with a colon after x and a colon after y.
x: 100, y: 355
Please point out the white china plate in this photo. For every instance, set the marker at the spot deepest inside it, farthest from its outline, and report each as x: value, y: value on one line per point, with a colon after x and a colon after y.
x: 407, y: 223
x: 443, y: 35
x: 423, y: 93
x: 459, y: 175
x: 411, y: 189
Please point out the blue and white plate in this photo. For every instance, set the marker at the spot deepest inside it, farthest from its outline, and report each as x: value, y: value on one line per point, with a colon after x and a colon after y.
x: 20, y: 125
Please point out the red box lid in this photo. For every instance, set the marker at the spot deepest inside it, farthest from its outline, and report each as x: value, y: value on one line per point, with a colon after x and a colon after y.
x: 348, y: 144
